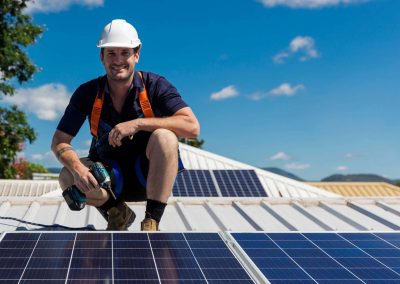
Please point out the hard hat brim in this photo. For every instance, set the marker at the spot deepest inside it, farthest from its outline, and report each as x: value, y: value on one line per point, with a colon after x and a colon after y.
x: 118, y: 44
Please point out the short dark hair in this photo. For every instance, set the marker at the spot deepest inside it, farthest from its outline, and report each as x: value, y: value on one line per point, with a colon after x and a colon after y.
x: 135, y: 50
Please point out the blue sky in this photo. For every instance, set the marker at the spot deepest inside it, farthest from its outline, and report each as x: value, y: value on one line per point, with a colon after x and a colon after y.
x: 309, y: 86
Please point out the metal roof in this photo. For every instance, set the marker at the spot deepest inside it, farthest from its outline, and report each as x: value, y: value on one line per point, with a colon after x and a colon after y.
x: 275, y: 185
x: 32, y: 188
x: 218, y: 214
x: 291, y: 206
x: 359, y: 188
x: 193, y: 158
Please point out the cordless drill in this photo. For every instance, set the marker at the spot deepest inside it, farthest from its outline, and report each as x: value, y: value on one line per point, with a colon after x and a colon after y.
x: 76, y: 199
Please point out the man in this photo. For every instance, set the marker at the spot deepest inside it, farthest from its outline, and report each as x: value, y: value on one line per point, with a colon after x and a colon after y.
x: 135, y: 118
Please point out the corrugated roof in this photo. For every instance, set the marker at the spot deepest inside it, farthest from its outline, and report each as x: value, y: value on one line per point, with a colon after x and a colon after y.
x: 291, y: 206
x: 27, y: 187
x: 275, y: 185
x: 359, y: 188
x: 218, y: 214
x: 193, y: 158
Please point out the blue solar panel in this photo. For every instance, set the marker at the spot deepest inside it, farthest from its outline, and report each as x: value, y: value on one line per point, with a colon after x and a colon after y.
x: 324, y: 257
x: 194, y: 183
x: 239, y: 183
x: 118, y: 257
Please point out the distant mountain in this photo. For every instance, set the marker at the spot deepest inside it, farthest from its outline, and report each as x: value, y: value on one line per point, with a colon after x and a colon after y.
x: 54, y: 170
x: 281, y: 172
x: 358, y: 177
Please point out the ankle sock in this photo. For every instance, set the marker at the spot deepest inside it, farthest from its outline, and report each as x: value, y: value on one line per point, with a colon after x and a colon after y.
x: 111, y: 202
x: 155, y: 209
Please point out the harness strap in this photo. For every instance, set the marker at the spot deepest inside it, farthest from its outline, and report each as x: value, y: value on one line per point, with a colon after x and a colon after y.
x: 96, y: 111
x: 98, y: 104
x: 144, y: 100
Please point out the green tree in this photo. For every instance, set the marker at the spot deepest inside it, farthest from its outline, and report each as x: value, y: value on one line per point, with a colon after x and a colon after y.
x: 14, y: 130
x: 192, y: 142
x: 25, y: 169
x: 16, y: 33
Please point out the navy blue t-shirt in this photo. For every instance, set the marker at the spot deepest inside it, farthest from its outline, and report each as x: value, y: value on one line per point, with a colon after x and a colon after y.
x: 164, y: 98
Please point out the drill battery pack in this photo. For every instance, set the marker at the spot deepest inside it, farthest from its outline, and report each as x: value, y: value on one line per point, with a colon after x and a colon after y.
x: 75, y: 199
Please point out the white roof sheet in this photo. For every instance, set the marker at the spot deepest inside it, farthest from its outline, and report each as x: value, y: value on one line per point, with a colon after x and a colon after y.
x: 291, y: 206
x: 27, y: 188
x: 217, y: 214
x: 193, y: 158
x: 275, y: 185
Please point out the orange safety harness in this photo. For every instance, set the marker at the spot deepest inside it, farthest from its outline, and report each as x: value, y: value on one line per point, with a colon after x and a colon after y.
x: 98, y: 105
x: 147, y: 112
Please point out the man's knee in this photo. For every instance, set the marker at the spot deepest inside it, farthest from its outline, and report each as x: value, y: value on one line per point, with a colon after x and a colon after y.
x: 164, y: 141
x: 65, y: 178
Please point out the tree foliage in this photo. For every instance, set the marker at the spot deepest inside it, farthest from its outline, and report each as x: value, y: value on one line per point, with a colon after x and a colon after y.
x: 16, y: 33
x: 14, y: 130
x: 192, y: 142
x: 25, y: 169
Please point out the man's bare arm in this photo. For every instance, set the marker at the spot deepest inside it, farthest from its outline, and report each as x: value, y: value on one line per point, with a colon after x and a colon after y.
x: 183, y: 123
x: 61, y: 147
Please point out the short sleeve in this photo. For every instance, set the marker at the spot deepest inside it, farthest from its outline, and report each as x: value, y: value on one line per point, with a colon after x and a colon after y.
x: 78, y: 109
x: 166, y: 97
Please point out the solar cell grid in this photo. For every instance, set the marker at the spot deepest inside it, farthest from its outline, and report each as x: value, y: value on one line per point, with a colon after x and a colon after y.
x: 194, y: 183
x: 239, y: 183
x: 324, y: 257
x: 118, y: 257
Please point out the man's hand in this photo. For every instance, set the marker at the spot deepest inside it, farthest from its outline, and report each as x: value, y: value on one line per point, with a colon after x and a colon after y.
x: 84, y: 180
x: 122, y: 130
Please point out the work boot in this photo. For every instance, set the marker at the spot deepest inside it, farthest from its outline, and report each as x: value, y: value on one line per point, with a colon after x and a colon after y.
x: 149, y: 224
x: 120, y: 217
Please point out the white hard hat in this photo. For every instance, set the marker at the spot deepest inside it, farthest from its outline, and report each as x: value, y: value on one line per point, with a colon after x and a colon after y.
x: 119, y: 33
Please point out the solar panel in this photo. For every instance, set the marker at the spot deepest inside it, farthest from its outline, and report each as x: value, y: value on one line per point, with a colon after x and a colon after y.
x: 194, y: 183
x: 118, y: 257
x: 324, y: 257
x: 239, y: 183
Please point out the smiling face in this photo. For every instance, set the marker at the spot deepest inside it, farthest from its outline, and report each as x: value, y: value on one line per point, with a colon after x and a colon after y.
x: 119, y: 63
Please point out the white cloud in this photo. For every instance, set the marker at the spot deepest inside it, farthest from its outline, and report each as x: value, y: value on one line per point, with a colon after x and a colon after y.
x: 47, y: 102
x: 49, y: 158
x: 257, y: 96
x: 280, y: 57
x: 82, y: 152
x: 296, y: 166
x: 282, y: 156
x: 284, y: 89
x: 302, y: 45
x: 349, y: 155
x: 225, y: 93
x: 20, y: 155
x: 310, y: 4
x: 87, y: 142
x: 38, y: 157
x: 48, y: 6
x: 342, y: 168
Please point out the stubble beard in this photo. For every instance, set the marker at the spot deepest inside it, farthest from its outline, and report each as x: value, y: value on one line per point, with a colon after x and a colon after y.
x: 116, y: 76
